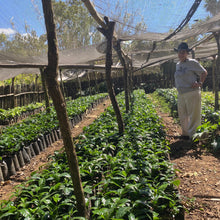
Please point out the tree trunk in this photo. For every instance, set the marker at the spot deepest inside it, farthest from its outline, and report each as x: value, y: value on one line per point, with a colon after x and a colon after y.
x: 213, y: 73
x: 36, y: 89
x: 13, y: 104
x: 96, y: 83
x: 118, y: 49
x: 59, y: 104
x: 88, y: 78
x: 61, y: 84
x: 217, y: 73
x: 79, y: 83
x: 130, y: 84
x: 108, y: 33
x: 46, y: 96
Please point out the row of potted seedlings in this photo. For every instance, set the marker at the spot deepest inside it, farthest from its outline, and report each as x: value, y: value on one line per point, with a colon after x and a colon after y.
x: 16, y: 114
x: 23, y: 141
x: 124, y: 176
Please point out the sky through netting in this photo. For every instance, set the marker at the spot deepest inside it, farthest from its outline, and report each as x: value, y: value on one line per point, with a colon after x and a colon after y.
x: 138, y: 22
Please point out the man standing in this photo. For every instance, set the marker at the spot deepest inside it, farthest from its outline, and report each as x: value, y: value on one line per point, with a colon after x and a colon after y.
x: 188, y: 71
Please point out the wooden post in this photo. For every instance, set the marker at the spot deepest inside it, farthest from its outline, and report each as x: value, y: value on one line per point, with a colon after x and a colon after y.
x: 60, y: 107
x: 131, y: 76
x: 124, y: 64
x: 170, y: 74
x: 108, y: 33
x: 193, y: 54
x: 213, y: 73
x: 61, y: 83
x: 173, y: 71
x: 36, y: 96
x: 96, y: 83
x: 216, y: 35
x: 163, y: 76
x: 79, y: 83
x: 88, y: 77
x: 13, y: 91
x: 46, y: 95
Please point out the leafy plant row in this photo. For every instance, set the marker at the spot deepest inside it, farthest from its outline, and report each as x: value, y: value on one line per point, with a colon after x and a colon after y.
x: 208, y: 133
x: 170, y: 97
x: 7, y: 116
x: 124, y: 177
x: 16, y: 136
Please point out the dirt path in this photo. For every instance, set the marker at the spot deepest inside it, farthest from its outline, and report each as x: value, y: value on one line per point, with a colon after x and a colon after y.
x: 40, y: 161
x: 199, y: 173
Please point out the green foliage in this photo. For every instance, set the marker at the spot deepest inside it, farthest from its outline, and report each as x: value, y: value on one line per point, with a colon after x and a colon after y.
x: 16, y: 136
x: 124, y: 177
x: 3, y: 39
x: 170, y: 97
x: 6, y: 116
x: 207, y: 135
x: 25, y: 45
x: 74, y: 31
x: 21, y: 79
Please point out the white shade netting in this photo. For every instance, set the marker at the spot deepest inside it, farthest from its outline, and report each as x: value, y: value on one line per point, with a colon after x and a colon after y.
x: 160, y: 45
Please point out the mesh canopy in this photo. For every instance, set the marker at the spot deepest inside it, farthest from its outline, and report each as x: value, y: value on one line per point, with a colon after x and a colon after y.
x: 8, y: 73
x: 138, y: 23
x: 209, y: 26
x: 79, y: 55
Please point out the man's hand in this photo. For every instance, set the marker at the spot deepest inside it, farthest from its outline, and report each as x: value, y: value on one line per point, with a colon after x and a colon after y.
x: 196, y: 84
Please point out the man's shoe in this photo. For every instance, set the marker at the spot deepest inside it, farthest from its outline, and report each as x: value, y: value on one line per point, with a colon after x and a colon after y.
x: 184, y: 137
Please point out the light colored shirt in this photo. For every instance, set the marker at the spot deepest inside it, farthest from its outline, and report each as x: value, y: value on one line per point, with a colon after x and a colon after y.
x: 186, y: 74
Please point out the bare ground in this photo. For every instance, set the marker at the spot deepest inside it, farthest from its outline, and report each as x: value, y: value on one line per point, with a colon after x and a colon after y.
x: 198, y: 172
x: 197, y: 169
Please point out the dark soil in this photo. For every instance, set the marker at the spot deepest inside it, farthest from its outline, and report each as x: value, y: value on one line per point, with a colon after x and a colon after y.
x: 197, y: 169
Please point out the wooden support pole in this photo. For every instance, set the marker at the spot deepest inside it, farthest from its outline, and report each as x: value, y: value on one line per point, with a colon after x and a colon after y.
x: 61, y: 83
x: 130, y: 77
x: 79, y: 83
x: 213, y: 73
x: 89, y: 5
x: 94, y: 13
x: 13, y: 91
x: 108, y: 33
x: 36, y: 89
x: 62, y: 67
x: 217, y: 72
x: 124, y: 64
x: 46, y: 95
x: 88, y: 78
x: 96, y: 83
x: 60, y: 107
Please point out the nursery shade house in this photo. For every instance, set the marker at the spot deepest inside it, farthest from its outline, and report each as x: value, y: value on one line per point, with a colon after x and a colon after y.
x: 146, y: 32
x: 135, y: 22
x: 65, y: 40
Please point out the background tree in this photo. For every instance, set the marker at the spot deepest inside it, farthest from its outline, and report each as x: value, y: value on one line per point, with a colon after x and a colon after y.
x: 212, y: 6
x: 74, y: 26
x: 28, y: 45
x: 3, y: 39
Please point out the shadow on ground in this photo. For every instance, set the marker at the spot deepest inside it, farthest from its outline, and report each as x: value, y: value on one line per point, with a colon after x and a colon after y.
x: 180, y: 148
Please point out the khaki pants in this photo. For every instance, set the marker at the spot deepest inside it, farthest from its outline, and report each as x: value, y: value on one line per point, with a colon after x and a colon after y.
x: 189, y: 110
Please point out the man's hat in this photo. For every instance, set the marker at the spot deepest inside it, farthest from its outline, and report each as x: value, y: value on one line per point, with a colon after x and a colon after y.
x: 182, y: 46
